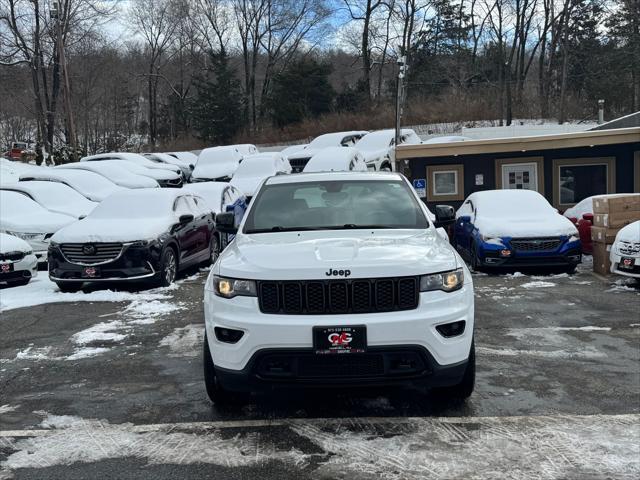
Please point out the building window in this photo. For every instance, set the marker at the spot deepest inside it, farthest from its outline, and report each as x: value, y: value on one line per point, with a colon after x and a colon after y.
x: 578, y: 178
x: 525, y: 173
x: 445, y: 183
x: 578, y: 182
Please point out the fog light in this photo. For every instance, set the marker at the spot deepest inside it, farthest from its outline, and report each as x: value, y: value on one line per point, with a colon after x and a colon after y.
x: 505, y: 253
x: 451, y: 329
x: 228, y: 335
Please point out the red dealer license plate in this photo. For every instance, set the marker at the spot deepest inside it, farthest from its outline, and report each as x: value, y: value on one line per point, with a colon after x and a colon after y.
x: 6, y: 268
x: 90, y: 272
x: 627, y: 263
x: 334, y: 340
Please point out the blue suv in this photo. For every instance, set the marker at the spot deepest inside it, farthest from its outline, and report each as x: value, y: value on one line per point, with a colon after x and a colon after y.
x: 515, y: 228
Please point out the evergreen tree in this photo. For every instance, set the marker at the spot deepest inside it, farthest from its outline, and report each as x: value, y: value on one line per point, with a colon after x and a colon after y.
x: 302, y: 90
x: 217, y: 107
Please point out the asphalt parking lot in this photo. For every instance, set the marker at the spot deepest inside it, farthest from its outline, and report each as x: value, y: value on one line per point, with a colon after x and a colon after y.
x: 114, y: 389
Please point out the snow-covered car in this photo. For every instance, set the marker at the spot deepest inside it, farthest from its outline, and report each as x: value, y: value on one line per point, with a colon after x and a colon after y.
x: 625, y: 251
x: 581, y: 215
x: 133, y: 158
x: 254, y: 169
x: 246, y: 149
x: 299, y: 160
x: 515, y: 228
x: 338, y: 279
x: 10, y: 171
x: 293, y: 149
x: 18, y: 263
x: 163, y: 178
x: 55, y: 197
x: 216, y: 164
x: 23, y: 218
x: 165, y: 158
x: 89, y: 184
x: 377, y: 147
x: 221, y: 197
x: 337, y: 159
x: 136, y: 235
x: 121, y: 176
x: 189, y: 158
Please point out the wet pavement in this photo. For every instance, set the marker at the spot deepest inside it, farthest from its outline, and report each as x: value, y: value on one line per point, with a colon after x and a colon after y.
x: 115, y: 390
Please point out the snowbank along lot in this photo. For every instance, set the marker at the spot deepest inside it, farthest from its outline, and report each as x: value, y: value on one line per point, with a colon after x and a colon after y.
x: 108, y: 384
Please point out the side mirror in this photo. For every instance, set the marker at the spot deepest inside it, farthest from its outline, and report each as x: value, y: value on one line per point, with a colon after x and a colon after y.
x: 226, y: 222
x: 184, y: 219
x: 445, y: 215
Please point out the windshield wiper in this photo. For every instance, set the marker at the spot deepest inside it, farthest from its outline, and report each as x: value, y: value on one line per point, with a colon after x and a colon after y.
x: 363, y: 226
x: 279, y: 228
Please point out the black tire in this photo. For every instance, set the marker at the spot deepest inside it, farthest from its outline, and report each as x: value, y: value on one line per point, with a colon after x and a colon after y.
x: 474, y: 258
x: 69, y: 287
x: 215, y: 392
x: 385, y: 167
x: 464, y: 389
x: 214, y: 249
x: 168, y: 268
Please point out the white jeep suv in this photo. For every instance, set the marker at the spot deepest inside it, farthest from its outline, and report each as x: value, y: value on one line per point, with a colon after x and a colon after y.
x: 338, y: 279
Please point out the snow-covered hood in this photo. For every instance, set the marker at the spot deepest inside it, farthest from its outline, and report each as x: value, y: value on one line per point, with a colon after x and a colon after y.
x: 112, y: 230
x: 9, y: 243
x: 35, y: 222
x: 630, y: 233
x: 544, y: 226
x: 248, y: 185
x: 309, y: 255
x: 215, y: 170
x: 373, y: 155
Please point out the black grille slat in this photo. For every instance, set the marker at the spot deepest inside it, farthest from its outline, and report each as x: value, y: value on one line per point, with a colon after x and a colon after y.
x: 535, y: 244
x: 298, y: 164
x: 318, y: 297
x: 104, y: 252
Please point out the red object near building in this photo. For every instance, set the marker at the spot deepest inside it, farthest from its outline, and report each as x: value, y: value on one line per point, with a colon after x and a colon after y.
x: 584, y: 230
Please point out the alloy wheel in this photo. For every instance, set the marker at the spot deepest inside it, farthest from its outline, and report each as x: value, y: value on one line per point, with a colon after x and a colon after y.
x: 214, y: 249
x: 170, y: 267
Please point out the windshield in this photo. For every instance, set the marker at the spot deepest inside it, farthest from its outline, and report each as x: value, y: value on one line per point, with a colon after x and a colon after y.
x: 14, y: 203
x: 375, y: 141
x: 513, y: 203
x: 334, y: 205
x: 135, y: 207
x: 256, y: 167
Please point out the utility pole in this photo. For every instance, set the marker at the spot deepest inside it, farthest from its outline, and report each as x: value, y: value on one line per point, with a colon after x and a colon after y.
x: 56, y: 15
x: 402, y: 71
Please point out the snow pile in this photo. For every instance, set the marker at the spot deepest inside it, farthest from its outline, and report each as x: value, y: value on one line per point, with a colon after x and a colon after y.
x: 99, y: 333
x: 31, y: 353
x: 41, y: 290
x: 185, y: 341
x: 146, y: 312
x: 538, y: 284
x: 86, y: 352
x: 8, y: 408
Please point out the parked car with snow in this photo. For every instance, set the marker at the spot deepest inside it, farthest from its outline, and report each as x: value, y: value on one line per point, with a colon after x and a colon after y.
x: 23, y: 218
x: 55, y: 197
x: 163, y: 178
x: 136, y: 235
x: 18, y: 264
x: 119, y: 175
x: 221, y: 197
x: 254, y: 169
x: 299, y: 160
x: 216, y: 164
x: 246, y: 149
x: 166, y: 159
x: 338, y: 279
x: 377, y: 147
x: 89, y: 184
x: 625, y: 251
x: 10, y: 171
x: 189, y: 158
x: 515, y: 228
x: 337, y: 159
x: 133, y: 158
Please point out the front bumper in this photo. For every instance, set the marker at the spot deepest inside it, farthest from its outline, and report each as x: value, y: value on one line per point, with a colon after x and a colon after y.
x: 616, y: 259
x: 135, y: 263
x: 269, y: 332
x: 27, y: 267
x: 568, y: 254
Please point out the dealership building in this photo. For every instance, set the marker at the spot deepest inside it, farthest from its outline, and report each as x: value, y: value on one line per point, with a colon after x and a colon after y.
x: 564, y: 167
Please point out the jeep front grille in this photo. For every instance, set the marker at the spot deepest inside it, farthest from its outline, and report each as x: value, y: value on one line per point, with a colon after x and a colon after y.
x: 535, y: 244
x: 91, y: 253
x: 318, y: 297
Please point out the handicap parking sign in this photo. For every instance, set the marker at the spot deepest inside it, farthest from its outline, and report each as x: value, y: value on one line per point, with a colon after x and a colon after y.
x: 420, y: 186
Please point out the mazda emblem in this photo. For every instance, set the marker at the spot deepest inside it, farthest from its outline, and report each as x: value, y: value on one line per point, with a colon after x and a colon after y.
x: 89, y: 249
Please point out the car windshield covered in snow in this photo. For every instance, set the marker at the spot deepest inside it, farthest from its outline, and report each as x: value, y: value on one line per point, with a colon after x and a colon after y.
x: 331, y: 205
x: 512, y: 203
x: 128, y: 205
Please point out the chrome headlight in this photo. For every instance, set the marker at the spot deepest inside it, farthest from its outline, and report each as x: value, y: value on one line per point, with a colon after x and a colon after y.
x: 233, y: 287
x: 445, y: 281
x: 27, y: 236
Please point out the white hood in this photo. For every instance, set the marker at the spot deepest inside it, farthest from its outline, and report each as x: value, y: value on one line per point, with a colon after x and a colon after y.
x: 9, y: 243
x: 111, y: 230
x: 630, y: 233
x: 373, y: 155
x: 247, y: 185
x: 544, y: 226
x: 308, y: 255
x: 35, y: 222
